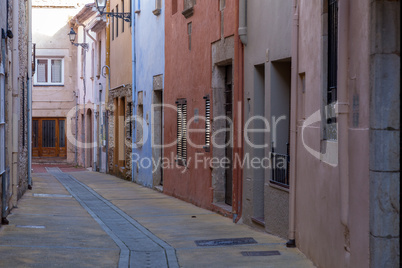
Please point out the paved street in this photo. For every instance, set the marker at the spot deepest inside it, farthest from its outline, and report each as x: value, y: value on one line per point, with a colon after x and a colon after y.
x: 86, y: 219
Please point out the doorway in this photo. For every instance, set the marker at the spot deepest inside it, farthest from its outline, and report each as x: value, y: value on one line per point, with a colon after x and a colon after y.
x: 157, y: 134
x: 228, y: 148
x: 49, y: 137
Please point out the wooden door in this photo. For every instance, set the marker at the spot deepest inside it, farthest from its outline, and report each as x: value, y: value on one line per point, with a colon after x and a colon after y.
x: 49, y: 137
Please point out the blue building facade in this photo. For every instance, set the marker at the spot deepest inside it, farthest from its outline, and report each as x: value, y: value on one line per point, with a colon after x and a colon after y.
x: 148, y: 77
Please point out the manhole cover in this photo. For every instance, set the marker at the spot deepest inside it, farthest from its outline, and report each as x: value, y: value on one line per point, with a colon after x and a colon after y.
x: 51, y: 195
x: 225, y: 242
x: 31, y: 226
x: 260, y: 253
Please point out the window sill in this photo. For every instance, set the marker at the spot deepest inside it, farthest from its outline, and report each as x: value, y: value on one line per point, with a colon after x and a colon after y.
x: 187, y: 13
x: 48, y: 85
x: 279, y: 186
x: 157, y: 12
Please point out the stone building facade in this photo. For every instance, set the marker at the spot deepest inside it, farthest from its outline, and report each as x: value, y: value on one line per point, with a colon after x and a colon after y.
x: 14, y: 87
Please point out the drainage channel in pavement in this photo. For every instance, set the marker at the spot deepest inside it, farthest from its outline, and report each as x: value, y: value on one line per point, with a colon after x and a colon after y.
x: 138, y: 246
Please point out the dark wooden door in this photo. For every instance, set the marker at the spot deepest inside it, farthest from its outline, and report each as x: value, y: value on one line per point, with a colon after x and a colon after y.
x: 49, y: 137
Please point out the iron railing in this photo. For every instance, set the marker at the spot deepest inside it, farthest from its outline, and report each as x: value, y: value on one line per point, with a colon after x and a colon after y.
x: 280, y: 167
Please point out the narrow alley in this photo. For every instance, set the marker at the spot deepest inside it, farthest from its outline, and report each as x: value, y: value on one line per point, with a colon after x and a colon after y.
x: 78, y: 218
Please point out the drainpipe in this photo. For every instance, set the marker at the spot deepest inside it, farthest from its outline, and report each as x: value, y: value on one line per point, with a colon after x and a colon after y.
x: 243, y: 21
x: 293, y: 127
x: 15, y: 102
x: 134, y: 88
x: 107, y: 116
x: 84, y: 97
x: 4, y: 206
x: 99, y: 128
x: 76, y: 128
x: 29, y: 97
x: 86, y: 32
x: 343, y: 128
x: 108, y: 84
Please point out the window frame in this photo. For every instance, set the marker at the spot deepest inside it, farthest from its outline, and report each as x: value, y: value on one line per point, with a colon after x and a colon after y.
x: 49, y: 72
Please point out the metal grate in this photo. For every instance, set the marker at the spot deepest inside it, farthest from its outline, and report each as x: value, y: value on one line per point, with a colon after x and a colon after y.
x: 260, y: 253
x: 225, y: 242
x: 280, y: 167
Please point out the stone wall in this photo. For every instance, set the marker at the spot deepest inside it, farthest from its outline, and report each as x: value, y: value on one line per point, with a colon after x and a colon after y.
x: 119, y: 169
x: 385, y: 134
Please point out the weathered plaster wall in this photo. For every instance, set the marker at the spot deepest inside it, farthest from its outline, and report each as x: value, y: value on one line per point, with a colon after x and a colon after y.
x: 321, y: 232
x: 188, y: 74
x: 120, y: 48
x: 150, y: 55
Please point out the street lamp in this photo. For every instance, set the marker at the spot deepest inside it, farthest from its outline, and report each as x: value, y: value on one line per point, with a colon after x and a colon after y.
x: 101, y: 5
x: 72, y: 34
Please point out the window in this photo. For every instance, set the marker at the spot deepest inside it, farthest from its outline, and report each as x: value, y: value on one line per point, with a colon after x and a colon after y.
x: 98, y: 73
x: 117, y: 22
x: 331, y: 129
x: 174, y: 7
x: 181, y: 131
x: 122, y: 10
x: 113, y: 26
x: 189, y: 31
x: 49, y: 72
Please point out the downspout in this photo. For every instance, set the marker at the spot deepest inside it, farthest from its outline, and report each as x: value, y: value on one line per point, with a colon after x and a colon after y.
x: 84, y: 97
x: 343, y: 128
x: 107, y: 84
x: 4, y: 206
x: 243, y: 21
x: 293, y: 127
x: 134, y: 88
x: 15, y: 102
x: 76, y: 128
x: 95, y: 160
x: 29, y: 97
x: 240, y: 93
x: 99, y: 129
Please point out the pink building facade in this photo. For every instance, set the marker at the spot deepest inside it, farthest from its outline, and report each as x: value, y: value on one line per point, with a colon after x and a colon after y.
x: 344, y: 132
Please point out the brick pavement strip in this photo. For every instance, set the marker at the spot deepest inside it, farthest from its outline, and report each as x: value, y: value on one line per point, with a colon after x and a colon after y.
x: 138, y: 246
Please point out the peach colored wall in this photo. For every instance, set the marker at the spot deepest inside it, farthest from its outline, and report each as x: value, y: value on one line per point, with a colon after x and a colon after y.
x: 120, y: 48
x: 319, y: 231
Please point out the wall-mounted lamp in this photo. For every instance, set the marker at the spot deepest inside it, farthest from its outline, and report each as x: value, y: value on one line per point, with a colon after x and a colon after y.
x: 72, y: 34
x: 101, y: 5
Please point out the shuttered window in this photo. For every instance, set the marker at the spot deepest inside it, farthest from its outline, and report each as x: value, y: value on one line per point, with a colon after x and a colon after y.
x: 181, y: 131
x: 207, y: 123
x: 49, y: 72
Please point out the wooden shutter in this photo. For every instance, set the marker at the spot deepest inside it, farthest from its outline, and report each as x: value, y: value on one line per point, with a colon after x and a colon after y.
x: 181, y: 131
x: 207, y: 123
